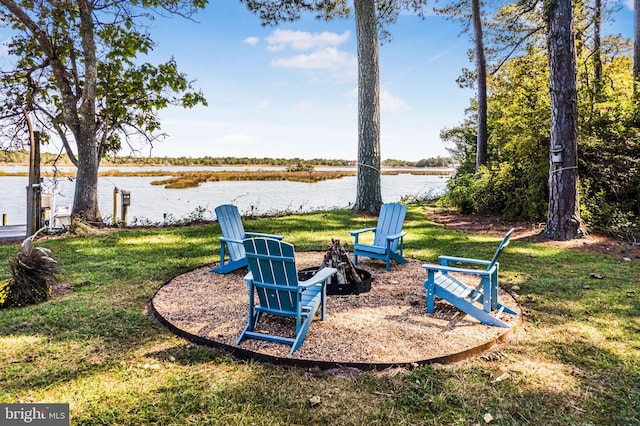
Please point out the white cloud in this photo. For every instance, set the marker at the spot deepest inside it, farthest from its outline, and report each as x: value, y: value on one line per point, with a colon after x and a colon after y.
x: 302, y: 40
x: 322, y: 52
x: 251, y: 40
x: 391, y: 103
x: 388, y: 101
x: 629, y: 4
x: 328, y: 58
x: 263, y: 104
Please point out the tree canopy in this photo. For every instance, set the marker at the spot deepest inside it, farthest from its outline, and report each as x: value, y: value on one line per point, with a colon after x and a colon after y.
x: 75, y: 67
x: 515, y: 181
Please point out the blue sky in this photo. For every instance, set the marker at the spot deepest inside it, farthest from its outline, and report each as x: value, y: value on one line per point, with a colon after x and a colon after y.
x: 291, y: 90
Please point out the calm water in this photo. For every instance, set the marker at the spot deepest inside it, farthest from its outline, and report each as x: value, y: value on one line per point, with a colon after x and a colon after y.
x: 152, y: 203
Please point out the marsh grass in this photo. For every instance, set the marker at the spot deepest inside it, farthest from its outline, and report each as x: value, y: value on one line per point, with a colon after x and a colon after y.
x: 192, y: 179
x: 572, y: 361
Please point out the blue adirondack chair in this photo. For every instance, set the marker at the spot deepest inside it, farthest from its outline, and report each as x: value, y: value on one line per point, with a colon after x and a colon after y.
x: 388, y: 241
x: 232, y: 235
x: 480, y: 301
x: 274, y: 278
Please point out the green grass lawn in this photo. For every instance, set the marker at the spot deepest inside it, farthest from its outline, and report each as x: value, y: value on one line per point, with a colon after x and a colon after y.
x: 574, y: 359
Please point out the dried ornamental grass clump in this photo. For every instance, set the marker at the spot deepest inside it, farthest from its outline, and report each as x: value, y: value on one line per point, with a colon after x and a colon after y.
x: 33, y: 274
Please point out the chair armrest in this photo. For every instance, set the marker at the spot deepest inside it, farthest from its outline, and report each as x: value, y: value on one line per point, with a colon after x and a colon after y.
x: 319, y: 277
x: 464, y: 260
x: 359, y: 231
x: 396, y: 236
x: 229, y: 240
x: 249, y: 280
x: 441, y: 268
x: 257, y: 234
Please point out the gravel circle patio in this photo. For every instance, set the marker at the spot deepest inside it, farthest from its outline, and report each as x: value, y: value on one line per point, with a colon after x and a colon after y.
x: 387, y: 326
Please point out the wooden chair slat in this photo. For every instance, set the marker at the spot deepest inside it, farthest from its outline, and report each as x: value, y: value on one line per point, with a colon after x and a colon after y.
x: 388, y: 237
x: 233, y: 234
x: 274, y: 278
x: 481, y: 300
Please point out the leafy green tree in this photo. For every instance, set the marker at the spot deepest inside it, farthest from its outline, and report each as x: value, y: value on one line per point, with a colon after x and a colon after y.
x: 372, y: 18
x: 520, y: 123
x: 76, y: 71
x: 512, y: 27
x: 610, y: 153
x: 515, y: 181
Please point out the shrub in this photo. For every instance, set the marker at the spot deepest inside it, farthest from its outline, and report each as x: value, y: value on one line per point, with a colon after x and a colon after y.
x: 481, y: 193
x: 301, y: 166
x: 501, y: 189
x: 33, y: 273
x: 460, y: 193
x: 607, y: 217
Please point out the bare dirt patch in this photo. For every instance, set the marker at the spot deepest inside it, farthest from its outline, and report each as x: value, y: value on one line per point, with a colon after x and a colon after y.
x: 526, y: 231
x: 61, y: 289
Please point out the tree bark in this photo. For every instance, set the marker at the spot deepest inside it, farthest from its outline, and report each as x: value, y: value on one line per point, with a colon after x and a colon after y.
x: 563, y: 221
x: 597, y: 24
x: 368, y: 195
x: 85, y: 204
x: 481, y: 70
x: 597, y: 47
x: 85, y: 201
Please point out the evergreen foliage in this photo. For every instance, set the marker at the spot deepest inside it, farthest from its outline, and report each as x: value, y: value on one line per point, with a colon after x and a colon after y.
x: 515, y: 182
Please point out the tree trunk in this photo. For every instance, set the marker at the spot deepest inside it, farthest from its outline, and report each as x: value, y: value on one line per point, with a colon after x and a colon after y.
x: 85, y: 202
x: 481, y: 70
x: 563, y: 221
x: 34, y: 200
x: 636, y: 45
x: 368, y: 195
x: 597, y: 47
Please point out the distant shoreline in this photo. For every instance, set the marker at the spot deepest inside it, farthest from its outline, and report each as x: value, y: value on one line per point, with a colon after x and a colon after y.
x: 21, y: 158
x: 193, y: 178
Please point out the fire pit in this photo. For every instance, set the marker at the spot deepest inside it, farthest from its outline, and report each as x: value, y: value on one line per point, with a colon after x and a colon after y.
x: 336, y: 288
x: 348, y: 279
